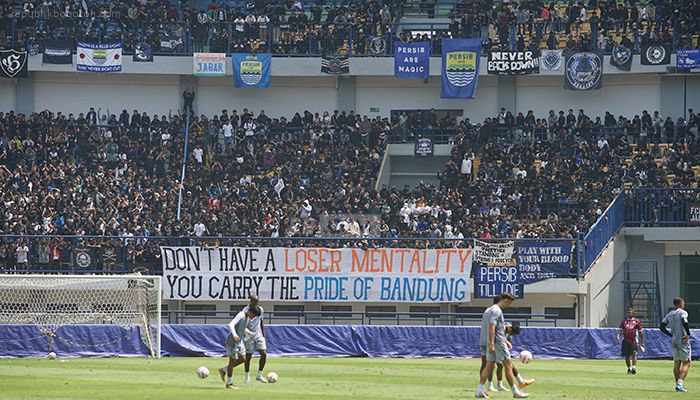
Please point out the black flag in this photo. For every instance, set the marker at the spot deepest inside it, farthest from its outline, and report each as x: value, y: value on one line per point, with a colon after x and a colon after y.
x: 621, y: 57
x: 584, y: 70
x: 13, y: 64
x: 337, y: 65
x: 656, y: 54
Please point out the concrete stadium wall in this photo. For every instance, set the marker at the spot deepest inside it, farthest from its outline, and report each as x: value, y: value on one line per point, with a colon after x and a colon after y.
x: 285, y: 96
x: 74, y: 92
x: 604, y: 289
x: 297, y: 84
x: 621, y: 94
x: 7, y: 95
x: 604, y: 301
x: 388, y: 93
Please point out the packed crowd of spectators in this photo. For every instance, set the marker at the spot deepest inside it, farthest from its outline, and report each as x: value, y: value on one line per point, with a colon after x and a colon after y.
x: 312, y: 175
x: 573, y: 25
x: 318, y: 27
x: 442, y: 127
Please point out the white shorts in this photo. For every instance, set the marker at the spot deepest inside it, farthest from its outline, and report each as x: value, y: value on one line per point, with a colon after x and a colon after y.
x: 499, y: 355
x: 681, y: 352
x: 255, y: 344
x: 234, y: 349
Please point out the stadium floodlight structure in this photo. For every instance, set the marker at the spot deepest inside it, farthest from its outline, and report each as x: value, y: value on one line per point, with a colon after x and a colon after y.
x: 52, y: 301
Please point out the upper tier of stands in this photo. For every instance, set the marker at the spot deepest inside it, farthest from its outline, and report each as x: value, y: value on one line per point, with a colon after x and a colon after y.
x: 346, y: 27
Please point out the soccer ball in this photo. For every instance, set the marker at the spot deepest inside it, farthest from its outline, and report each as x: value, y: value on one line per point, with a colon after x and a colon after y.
x: 202, y: 372
x: 525, y: 357
x: 272, y: 377
x: 52, y: 356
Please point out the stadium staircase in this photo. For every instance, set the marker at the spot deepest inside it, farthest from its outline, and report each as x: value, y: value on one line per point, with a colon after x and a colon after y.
x: 642, y: 291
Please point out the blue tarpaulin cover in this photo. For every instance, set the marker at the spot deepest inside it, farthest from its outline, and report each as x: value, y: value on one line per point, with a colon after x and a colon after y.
x: 185, y: 340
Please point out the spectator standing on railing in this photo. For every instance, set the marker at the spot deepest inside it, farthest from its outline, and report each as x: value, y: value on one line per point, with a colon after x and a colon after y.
x: 22, y: 256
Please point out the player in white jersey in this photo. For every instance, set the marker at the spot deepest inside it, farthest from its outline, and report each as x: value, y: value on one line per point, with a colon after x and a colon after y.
x: 677, y: 320
x: 494, y: 346
x: 255, y: 341
x: 234, y: 344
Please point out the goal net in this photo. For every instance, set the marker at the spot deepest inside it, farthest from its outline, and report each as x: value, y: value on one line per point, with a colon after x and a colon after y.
x: 52, y: 301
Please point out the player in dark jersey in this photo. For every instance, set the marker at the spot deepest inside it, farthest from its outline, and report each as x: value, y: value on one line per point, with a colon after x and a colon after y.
x: 630, y: 327
x: 511, y: 330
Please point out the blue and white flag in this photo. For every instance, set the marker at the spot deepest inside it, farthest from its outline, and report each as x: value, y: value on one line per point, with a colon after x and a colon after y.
x: 540, y: 260
x: 99, y: 57
x: 460, y: 68
x: 251, y: 70
x: 688, y: 59
x: 412, y: 60
x: 143, y: 52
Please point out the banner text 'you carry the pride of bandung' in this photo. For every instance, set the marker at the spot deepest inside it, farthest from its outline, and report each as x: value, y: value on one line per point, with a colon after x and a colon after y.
x: 316, y: 274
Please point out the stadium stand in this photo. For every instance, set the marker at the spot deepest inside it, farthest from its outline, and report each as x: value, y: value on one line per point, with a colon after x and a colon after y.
x: 331, y: 27
x: 67, y: 175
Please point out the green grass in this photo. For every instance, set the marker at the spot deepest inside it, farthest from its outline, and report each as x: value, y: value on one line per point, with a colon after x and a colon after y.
x: 327, y: 378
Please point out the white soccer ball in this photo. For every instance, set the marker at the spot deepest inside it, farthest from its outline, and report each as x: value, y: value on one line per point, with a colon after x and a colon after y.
x: 202, y: 372
x: 525, y: 357
x: 272, y: 377
x: 52, y: 356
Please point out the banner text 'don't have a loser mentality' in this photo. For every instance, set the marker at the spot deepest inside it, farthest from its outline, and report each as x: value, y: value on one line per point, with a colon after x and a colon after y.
x: 316, y: 274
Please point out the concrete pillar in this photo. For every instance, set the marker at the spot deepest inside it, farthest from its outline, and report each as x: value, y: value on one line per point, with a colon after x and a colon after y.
x: 506, y: 94
x: 444, y: 319
x: 313, y: 306
x: 347, y: 94
x: 673, y: 94
x: 24, y: 94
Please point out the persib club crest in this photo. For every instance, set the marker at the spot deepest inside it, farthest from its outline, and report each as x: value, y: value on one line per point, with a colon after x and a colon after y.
x: 551, y: 60
x: 99, y: 56
x: 621, y: 54
x: 461, y: 67
x: 584, y: 70
x: 656, y: 54
x: 251, y: 71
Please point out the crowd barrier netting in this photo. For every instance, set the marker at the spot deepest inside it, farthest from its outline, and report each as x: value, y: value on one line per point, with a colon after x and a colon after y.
x: 190, y: 340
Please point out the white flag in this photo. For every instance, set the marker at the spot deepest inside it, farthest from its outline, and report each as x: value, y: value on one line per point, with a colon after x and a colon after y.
x: 551, y: 60
x: 99, y: 57
x: 279, y: 186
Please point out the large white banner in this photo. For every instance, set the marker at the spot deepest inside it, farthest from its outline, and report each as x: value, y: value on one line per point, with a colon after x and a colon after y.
x: 316, y: 274
x: 494, y: 253
x: 209, y: 64
x: 99, y: 57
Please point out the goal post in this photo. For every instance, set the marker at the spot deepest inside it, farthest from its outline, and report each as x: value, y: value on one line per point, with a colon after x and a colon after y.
x: 49, y: 302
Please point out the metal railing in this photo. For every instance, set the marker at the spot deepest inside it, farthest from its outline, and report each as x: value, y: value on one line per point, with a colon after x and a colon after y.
x: 659, y: 207
x: 93, y: 254
x: 520, y: 134
x: 602, y: 232
x: 356, y: 318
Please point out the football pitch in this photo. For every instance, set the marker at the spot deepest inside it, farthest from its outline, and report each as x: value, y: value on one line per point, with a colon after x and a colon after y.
x: 329, y: 378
